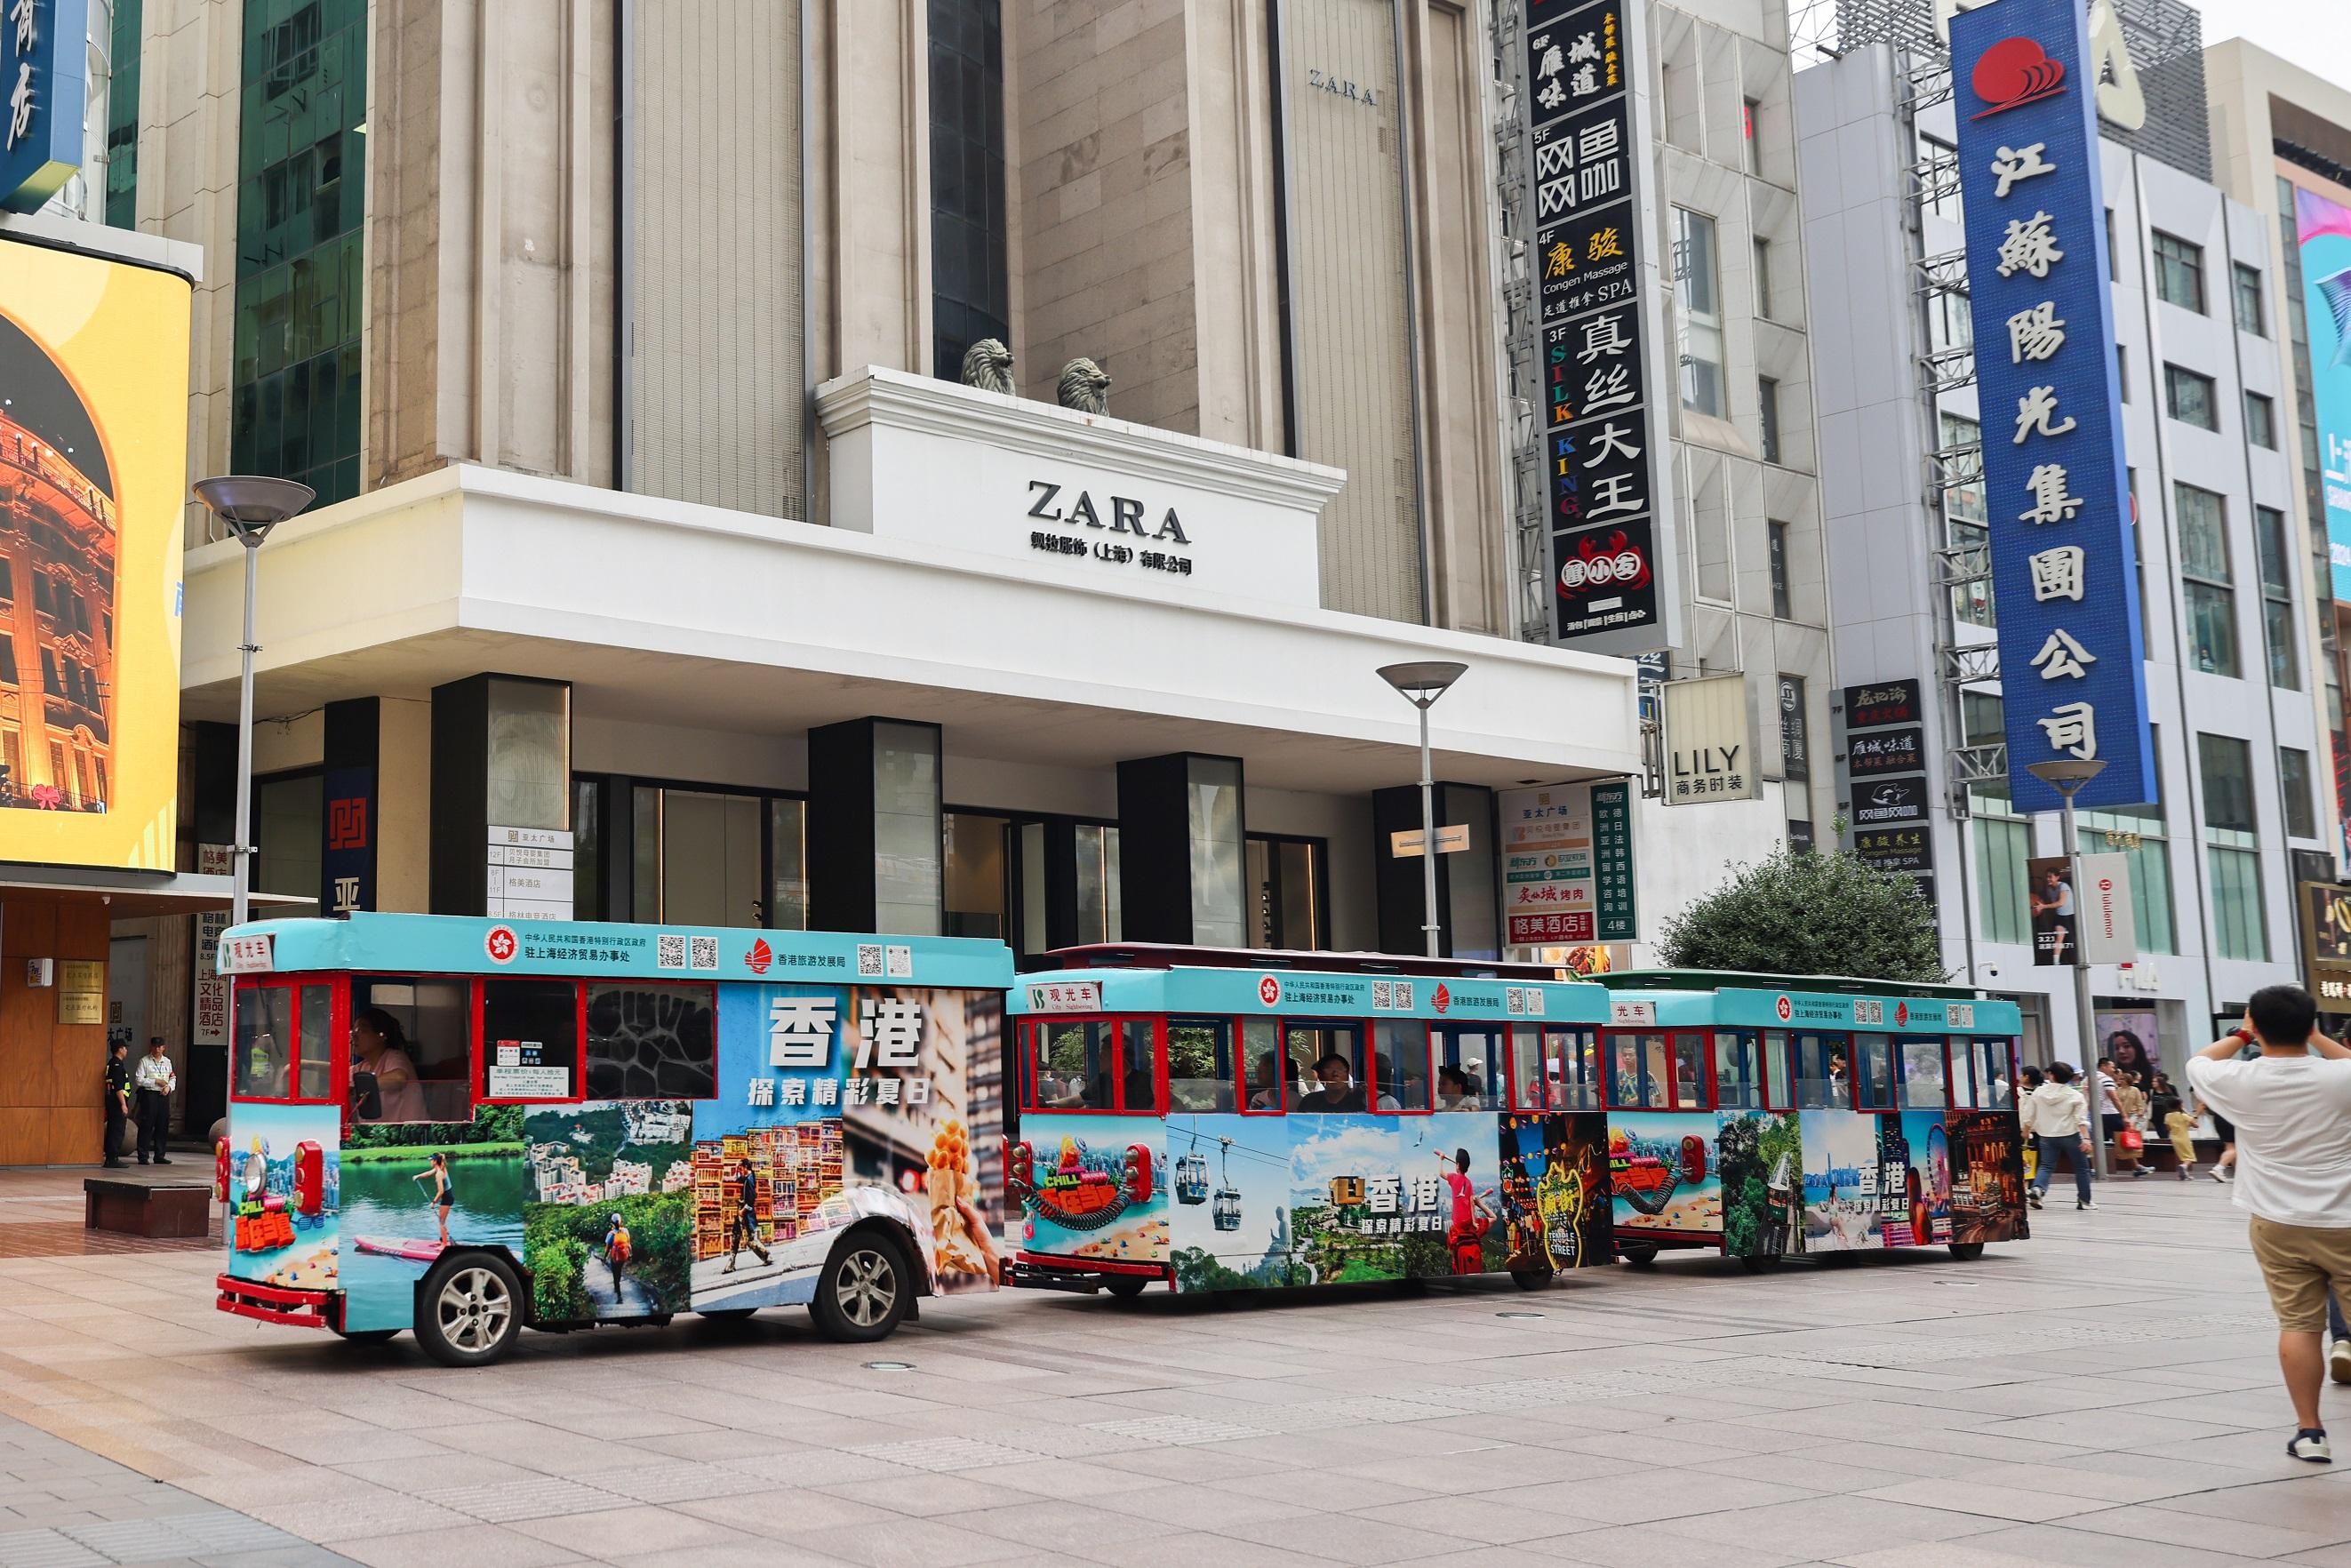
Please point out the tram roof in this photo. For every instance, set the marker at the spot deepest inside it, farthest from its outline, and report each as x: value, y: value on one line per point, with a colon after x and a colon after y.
x: 1740, y: 979
x: 1227, y: 989
x: 472, y: 945
x: 1176, y: 956
x: 1703, y: 999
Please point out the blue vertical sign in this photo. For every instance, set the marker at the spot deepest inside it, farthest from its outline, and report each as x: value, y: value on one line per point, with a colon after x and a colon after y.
x: 2072, y: 649
x: 44, y: 69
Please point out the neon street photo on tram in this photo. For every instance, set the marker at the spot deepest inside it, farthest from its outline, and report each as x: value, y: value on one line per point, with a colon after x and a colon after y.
x: 463, y: 1126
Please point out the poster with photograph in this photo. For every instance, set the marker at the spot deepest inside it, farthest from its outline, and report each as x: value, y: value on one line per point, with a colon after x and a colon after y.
x: 1761, y: 1161
x: 1229, y: 1222
x: 1842, y: 1180
x: 1095, y: 1189
x: 284, y: 1196
x: 1987, y: 1178
x: 1393, y: 1197
x: 2129, y: 1036
x: 2049, y: 896
x: 1915, y: 1179
x: 606, y: 1227
x: 411, y: 1189
x: 1555, y: 1191
x: 1662, y: 1176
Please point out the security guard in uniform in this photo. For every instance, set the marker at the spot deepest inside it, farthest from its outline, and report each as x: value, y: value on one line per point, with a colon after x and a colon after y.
x: 118, y: 1099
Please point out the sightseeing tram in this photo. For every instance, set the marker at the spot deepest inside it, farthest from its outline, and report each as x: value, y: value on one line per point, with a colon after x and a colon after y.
x: 1762, y: 1117
x: 462, y: 1127
x: 1219, y: 1120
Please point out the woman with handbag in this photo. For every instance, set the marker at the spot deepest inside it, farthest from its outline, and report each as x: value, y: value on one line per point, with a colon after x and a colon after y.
x: 2130, y: 1138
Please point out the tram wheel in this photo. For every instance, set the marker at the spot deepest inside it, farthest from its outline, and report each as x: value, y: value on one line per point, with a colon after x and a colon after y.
x: 1967, y: 1252
x: 1534, y: 1278
x: 470, y: 1310
x: 864, y: 1291
x: 1126, y: 1287
x: 1640, y: 1255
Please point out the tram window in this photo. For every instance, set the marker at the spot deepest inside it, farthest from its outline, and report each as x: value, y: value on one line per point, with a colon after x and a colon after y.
x: 1400, y: 1064
x: 530, y: 1039
x: 1874, y: 1074
x: 659, y: 1042
x: 1572, y: 1061
x: 1470, y: 1069
x: 314, y: 1072
x: 1261, y: 1050
x: 1689, y: 1072
x: 1776, y: 1095
x: 1923, y: 1087
x: 1086, y: 1066
x: 1822, y: 1079
x: 1963, y: 1077
x: 265, y: 1042
x: 1640, y: 1079
x: 412, y: 1049
x: 1995, y: 1073
x: 1330, y: 1057
x: 1200, y: 1074
x: 1737, y: 1086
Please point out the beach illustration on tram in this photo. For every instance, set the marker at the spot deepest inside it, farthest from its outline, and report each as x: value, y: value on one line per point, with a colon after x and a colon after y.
x: 465, y: 1126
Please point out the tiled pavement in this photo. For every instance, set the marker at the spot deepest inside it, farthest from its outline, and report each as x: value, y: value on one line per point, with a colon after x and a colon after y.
x: 2102, y: 1395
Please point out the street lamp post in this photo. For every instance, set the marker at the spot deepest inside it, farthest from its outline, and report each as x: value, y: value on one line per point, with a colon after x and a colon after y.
x: 249, y: 506
x: 1421, y: 685
x: 2067, y: 775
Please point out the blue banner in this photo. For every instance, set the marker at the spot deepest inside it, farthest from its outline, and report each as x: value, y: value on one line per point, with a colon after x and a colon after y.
x: 44, y: 70
x: 2323, y: 228
x: 2072, y: 648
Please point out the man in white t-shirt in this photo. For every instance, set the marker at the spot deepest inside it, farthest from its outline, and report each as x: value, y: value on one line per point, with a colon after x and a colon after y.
x: 2292, y: 1107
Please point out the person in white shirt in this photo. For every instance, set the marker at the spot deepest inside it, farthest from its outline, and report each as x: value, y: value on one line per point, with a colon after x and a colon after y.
x: 2291, y: 1108
x: 154, y: 1082
x: 2057, y: 1118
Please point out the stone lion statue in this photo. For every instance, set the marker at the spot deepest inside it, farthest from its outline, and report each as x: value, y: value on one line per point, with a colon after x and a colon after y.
x: 987, y: 365
x: 1085, y: 386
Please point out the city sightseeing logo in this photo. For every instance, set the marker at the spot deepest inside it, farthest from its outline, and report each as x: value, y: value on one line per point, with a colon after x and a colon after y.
x: 1595, y: 567
x: 2015, y: 72
x: 760, y: 956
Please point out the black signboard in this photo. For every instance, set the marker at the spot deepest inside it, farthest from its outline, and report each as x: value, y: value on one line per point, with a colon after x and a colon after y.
x: 1875, y: 752
x: 1889, y: 802
x: 1896, y: 849
x: 1585, y: 162
x: 1880, y: 704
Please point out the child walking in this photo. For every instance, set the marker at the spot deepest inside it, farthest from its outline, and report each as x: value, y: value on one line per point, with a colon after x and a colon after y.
x: 2182, y: 1128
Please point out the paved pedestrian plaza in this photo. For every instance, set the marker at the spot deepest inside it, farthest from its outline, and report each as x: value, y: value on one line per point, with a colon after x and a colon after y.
x: 2102, y: 1395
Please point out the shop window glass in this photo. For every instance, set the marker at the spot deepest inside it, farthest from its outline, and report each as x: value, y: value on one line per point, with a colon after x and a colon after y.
x: 411, y: 1048
x: 1923, y: 1087
x: 1272, y: 1084
x: 1400, y: 1065
x: 530, y: 1039
x: 652, y: 1043
x: 264, y: 1042
x: 1470, y: 1069
x: 1328, y: 1061
x: 1737, y: 1086
x: 1200, y: 1075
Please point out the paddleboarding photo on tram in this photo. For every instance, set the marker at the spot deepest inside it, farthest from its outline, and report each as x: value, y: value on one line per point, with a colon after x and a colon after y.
x: 465, y: 1126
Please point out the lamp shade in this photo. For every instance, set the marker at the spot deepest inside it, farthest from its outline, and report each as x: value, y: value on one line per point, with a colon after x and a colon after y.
x: 1423, y: 680
x: 253, y: 504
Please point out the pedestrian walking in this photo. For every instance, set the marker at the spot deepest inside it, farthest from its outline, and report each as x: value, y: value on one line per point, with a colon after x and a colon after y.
x: 743, y: 1226
x: 2291, y: 1107
x: 154, y: 1082
x: 117, y: 1100
x: 2130, y: 1142
x: 2180, y: 1125
x: 2058, y: 1118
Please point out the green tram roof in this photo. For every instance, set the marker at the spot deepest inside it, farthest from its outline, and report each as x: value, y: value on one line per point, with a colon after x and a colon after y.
x: 1740, y: 979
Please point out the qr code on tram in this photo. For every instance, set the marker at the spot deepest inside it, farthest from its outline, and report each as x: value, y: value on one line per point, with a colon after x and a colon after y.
x: 706, y: 951
x: 669, y: 950
x: 868, y: 960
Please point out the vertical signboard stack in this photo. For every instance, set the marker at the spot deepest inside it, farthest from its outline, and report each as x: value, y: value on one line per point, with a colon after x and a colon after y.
x: 1885, y: 765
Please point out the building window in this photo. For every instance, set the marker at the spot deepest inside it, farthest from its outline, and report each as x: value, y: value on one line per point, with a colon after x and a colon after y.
x: 1288, y: 892
x: 1748, y: 110
x: 1938, y: 173
x: 1780, y: 605
x: 2003, y: 845
x: 2189, y: 398
x: 2114, y: 257
x: 2178, y: 272
x: 2261, y: 421
x: 2232, y: 849
x: 970, y: 294
x: 2245, y: 289
x: 1963, y: 510
x: 2122, y: 374
x: 2137, y: 832
x: 122, y: 116
x: 1951, y: 320
x: 1697, y: 294
x: 2204, y: 572
x: 2294, y: 783
x: 1764, y: 280
x: 2277, y: 597
x: 301, y: 199
x: 1766, y: 406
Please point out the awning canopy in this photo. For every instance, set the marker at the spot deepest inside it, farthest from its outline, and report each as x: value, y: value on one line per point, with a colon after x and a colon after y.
x: 127, y: 894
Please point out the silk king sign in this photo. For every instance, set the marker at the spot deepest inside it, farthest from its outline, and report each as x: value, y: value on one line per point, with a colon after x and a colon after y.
x: 2072, y: 652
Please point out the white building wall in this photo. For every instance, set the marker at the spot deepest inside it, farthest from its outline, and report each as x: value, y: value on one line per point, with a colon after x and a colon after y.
x: 1879, y: 499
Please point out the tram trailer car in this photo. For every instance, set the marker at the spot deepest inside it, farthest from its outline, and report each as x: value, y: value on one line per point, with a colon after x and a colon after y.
x: 462, y: 1127
x: 1765, y: 1116
x: 1224, y: 1120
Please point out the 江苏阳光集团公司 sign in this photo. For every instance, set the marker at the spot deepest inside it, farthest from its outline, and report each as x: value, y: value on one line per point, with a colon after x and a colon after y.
x: 2072, y: 652
x: 44, y: 79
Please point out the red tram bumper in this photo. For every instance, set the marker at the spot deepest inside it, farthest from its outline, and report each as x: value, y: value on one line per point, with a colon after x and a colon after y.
x: 1045, y: 1272
x: 278, y: 1304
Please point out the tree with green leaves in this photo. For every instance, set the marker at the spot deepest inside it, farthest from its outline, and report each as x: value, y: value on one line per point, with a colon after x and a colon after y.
x: 1809, y: 913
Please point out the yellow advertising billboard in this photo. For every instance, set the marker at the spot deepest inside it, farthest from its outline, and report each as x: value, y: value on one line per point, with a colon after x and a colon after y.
x: 93, y: 458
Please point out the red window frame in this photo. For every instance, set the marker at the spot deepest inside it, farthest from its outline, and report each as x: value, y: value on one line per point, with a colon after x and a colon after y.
x: 1164, y: 1026
x: 1281, y: 1106
x: 1374, y: 1086
x: 1902, y: 1069
x: 338, y: 989
x: 1529, y: 1082
x: 1156, y: 1048
x: 1775, y: 1043
x: 1363, y: 1028
x: 482, y: 1096
x: 1705, y: 1087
